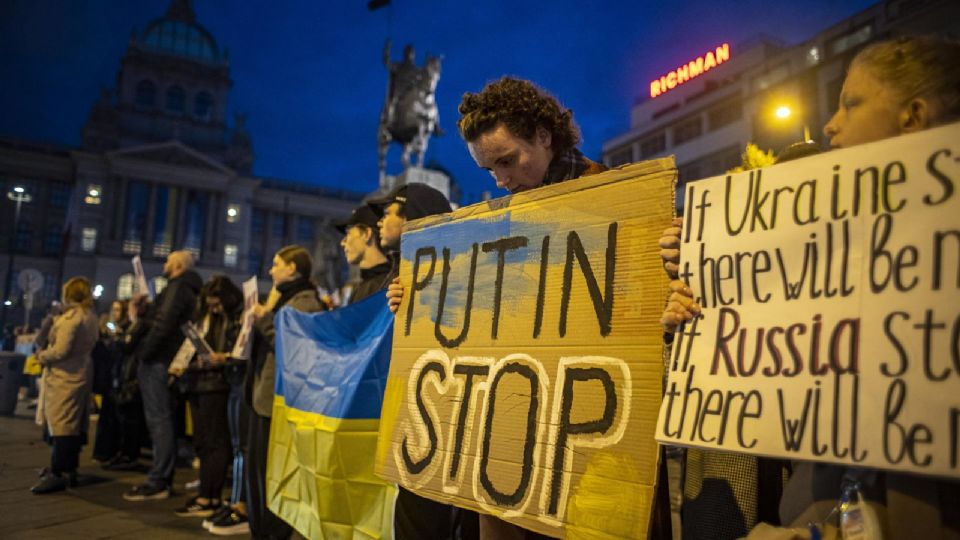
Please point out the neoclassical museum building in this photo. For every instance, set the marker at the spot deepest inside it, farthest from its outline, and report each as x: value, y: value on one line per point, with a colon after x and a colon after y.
x: 159, y: 168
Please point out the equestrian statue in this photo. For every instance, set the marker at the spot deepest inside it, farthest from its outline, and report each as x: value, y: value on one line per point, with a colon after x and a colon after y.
x: 410, y: 114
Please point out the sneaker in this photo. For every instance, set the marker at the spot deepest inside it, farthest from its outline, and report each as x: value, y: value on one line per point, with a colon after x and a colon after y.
x: 49, y: 483
x: 194, y: 508
x: 193, y: 485
x: 147, y: 492
x: 220, y: 512
x: 231, y: 524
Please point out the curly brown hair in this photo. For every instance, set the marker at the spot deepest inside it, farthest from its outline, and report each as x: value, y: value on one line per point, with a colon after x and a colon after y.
x: 522, y: 106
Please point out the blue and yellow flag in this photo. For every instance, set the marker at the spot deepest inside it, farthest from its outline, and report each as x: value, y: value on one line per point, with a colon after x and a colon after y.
x: 331, y: 372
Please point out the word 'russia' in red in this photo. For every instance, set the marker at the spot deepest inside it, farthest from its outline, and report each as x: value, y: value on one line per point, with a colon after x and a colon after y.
x: 690, y: 70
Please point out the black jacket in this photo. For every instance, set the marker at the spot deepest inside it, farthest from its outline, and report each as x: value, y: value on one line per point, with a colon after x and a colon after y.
x: 173, y: 307
x: 221, y: 336
x: 372, y: 281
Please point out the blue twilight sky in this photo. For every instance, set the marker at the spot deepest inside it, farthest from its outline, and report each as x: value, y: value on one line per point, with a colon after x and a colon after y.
x: 309, y: 72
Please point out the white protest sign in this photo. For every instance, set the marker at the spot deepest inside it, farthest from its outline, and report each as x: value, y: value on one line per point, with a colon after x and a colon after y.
x: 140, y: 277
x: 241, y: 349
x: 830, y: 289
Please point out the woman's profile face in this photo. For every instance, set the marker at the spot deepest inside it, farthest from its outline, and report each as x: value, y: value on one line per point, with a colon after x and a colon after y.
x: 869, y: 111
x: 282, y: 272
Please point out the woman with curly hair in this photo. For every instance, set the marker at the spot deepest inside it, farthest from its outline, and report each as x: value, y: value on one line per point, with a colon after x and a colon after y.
x: 522, y: 135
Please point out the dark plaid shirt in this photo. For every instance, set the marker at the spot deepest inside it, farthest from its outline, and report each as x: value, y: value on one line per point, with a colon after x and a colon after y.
x: 569, y: 165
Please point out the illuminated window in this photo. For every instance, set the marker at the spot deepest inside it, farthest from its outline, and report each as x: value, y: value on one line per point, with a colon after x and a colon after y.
x: 138, y: 193
x: 230, y: 252
x: 813, y: 56
x: 88, y: 240
x: 94, y: 192
x: 125, y: 287
x: 233, y: 213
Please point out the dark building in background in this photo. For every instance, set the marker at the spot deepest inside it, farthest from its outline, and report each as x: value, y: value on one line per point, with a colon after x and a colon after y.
x: 706, y: 120
x: 158, y: 169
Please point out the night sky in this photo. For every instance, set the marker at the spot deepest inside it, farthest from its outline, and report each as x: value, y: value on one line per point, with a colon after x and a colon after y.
x: 310, y: 77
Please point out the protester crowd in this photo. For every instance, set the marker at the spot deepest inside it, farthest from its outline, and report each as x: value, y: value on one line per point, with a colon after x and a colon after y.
x: 140, y: 363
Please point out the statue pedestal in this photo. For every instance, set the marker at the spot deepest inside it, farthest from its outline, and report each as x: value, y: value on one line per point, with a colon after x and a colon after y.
x: 417, y: 175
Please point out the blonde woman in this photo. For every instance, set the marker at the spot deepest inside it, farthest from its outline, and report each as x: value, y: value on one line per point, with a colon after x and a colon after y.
x: 66, y: 384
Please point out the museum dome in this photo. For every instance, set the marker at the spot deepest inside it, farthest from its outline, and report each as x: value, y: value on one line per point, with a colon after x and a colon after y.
x: 178, y: 34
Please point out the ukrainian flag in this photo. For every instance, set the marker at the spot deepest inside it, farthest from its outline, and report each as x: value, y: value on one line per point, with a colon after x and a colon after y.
x: 331, y: 372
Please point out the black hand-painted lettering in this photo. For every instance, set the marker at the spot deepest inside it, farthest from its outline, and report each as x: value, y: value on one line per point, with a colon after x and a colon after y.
x: 469, y: 372
x: 416, y: 467
x: 419, y: 284
x: 567, y: 428
x: 529, y: 443
x: 468, y: 306
x: 602, y: 303
x: 501, y: 246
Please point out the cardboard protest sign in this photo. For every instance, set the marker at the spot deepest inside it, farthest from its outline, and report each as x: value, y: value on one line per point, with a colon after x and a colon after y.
x: 528, y: 358
x: 830, y: 289
x: 241, y: 349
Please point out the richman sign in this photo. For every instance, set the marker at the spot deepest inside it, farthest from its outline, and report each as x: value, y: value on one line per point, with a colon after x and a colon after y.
x: 690, y: 70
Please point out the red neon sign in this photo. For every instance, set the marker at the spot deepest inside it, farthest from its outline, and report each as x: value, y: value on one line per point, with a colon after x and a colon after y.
x: 690, y: 70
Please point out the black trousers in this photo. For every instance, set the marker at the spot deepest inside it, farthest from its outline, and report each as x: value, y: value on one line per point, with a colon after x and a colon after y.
x: 106, y: 442
x: 133, y: 429
x: 263, y: 523
x: 211, y: 438
x: 66, y: 453
x: 416, y: 517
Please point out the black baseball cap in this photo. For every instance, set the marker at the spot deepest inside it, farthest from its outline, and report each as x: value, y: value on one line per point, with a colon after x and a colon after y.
x: 365, y: 214
x: 418, y: 200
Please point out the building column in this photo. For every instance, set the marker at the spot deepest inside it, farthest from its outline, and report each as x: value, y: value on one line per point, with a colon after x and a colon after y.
x: 146, y: 249
x: 179, y: 226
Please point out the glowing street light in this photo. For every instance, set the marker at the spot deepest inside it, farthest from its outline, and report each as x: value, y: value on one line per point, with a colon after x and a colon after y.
x: 783, y: 112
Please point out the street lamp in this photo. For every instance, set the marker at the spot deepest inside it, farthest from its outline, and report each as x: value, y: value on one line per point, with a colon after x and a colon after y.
x: 783, y: 112
x: 20, y: 195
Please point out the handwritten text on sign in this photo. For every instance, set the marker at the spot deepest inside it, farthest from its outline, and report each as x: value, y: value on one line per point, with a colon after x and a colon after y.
x: 527, y: 365
x: 831, y: 321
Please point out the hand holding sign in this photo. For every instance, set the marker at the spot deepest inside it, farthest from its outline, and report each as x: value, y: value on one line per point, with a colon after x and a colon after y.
x: 830, y: 310
x: 527, y: 355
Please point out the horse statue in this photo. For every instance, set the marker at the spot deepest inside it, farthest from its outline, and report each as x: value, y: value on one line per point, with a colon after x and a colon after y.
x: 410, y: 114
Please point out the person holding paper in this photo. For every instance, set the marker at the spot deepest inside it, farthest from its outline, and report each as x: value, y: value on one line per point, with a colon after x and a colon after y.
x: 173, y: 307
x: 66, y: 384
x: 220, y: 306
x: 892, y: 88
x: 525, y: 139
x: 415, y: 516
x: 292, y: 287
